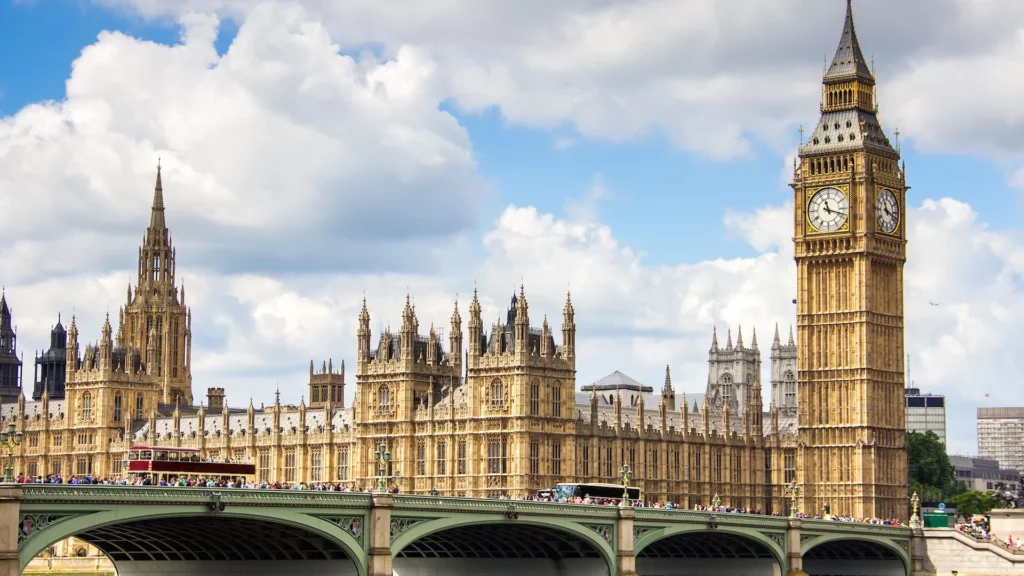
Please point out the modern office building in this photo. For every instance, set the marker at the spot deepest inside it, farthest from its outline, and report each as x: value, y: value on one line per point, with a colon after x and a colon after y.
x: 983, y: 474
x: 926, y: 413
x: 1000, y: 431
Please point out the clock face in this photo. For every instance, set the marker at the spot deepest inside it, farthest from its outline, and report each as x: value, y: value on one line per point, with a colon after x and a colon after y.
x: 828, y: 210
x: 888, y: 211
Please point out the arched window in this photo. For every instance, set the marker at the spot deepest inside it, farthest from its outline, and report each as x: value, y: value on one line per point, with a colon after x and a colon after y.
x: 726, y: 386
x: 556, y: 400
x: 497, y: 393
x: 314, y: 394
x: 384, y: 398
x: 535, y: 398
x: 138, y: 407
x: 789, y: 388
x: 86, y: 406
x: 117, y: 407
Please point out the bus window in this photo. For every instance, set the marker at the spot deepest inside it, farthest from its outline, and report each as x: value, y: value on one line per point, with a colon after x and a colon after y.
x: 134, y: 455
x: 162, y: 455
x: 146, y: 455
x: 172, y: 456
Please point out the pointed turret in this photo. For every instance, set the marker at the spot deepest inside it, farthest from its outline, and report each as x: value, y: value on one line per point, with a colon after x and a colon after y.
x: 753, y: 340
x: 739, y: 337
x: 569, y: 329
x: 475, y: 327
x: 776, y: 342
x: 791, y: 342
x: 728, y: 343
x: 714, y: 339
x: 362, y: 337
x: 668, y: 394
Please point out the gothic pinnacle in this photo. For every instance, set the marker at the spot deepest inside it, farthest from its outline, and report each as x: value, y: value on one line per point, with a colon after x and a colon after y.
x: 791, y: 342
x: 714, y: 338
x: 157, y: 220
x: 775, y: 342
x: 753, y: 341
x: 739, y: 337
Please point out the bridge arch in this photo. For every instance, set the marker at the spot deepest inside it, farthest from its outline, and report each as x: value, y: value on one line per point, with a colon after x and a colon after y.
x: 750, y: 551
x: 874, y: 555
x: 475, y: 537
x: 138, y: 533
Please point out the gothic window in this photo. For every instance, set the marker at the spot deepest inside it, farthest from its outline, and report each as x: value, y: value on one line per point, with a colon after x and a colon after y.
x: 535, y: 398
x: 497, y: 394
x: 264, y: 465
x: 289, y: 465
x: 156, y: 267
x: 384, y: 399
x: 442, y: 457
x: 159, y: 345
x: 726, y: 386
x: 421, y: 458
x: 789, y: 383
x: 314, y: 394
x: 174, y: 343
x: 556, y: 458
x: 556, y: 400
x: 608, y: 461
x: 789, y: 462
x: 768, y: 467
x: 460, y: 463
x: 718, y: 467
x: 138, y: 407
x: 117, y: 407
x: 497, y: 455
x: 316, y: 464
x: 86, y: 406
x: 586, y: 460
x: 534, y: 457
x: 343, y: 464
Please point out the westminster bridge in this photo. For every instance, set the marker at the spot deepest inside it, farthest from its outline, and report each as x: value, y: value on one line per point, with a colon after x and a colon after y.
x: 206, y: 531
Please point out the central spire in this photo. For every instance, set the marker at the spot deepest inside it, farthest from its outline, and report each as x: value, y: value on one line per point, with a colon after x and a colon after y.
x: 157, y: 220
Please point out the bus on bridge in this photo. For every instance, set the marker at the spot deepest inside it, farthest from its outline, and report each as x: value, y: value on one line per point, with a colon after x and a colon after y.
x: 166, y: 463
x: 568, y: 490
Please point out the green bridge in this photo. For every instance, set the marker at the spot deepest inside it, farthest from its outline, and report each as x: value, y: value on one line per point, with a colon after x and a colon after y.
x: 157, y: 530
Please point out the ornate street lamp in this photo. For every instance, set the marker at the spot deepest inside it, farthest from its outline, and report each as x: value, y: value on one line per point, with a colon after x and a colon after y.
x: 915, y: 505
x: 626, y: 474
x: 383, y: 458
x: 11, y: 440
x: 792, y: 494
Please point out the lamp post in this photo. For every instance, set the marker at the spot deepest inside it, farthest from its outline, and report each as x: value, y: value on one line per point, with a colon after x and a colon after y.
x: 11, y: 440
x: 626, y: 475
x: 915, y: 505
x: 383, y: 458
x: 792, y: 493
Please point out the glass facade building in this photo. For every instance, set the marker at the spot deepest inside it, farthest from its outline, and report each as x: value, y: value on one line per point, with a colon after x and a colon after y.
x: 1000, y: 434
x: 926, y: 413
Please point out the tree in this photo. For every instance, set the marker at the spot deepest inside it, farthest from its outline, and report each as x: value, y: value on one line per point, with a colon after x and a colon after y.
x: 932, y: 475
x: 975, y: 502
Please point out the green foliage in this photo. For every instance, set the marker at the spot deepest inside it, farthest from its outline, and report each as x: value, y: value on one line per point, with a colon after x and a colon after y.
x: 976, y: 502
x: 932, y: 475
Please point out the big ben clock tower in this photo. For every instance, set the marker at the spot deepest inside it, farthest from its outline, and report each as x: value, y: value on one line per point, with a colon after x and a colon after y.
x: 850, y: 247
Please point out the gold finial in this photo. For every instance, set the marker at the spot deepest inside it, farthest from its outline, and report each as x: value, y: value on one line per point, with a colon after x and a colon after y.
x: 801, y: 131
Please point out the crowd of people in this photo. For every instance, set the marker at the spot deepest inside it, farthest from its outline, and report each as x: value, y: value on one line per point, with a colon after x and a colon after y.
x: 202, y: 482
x: 978, y: 528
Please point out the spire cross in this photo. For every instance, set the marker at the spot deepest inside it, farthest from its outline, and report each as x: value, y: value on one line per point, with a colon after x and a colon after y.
x: 801, y: 131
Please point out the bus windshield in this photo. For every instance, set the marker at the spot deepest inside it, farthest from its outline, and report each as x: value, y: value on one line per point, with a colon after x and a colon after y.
x: 610, y: 491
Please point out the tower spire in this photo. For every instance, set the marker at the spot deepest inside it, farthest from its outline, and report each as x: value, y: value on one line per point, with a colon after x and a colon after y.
x: 157, y: 221
x: 849, y: 60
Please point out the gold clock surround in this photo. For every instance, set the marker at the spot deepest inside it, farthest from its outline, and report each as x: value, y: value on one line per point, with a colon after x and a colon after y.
x: 809, y: 226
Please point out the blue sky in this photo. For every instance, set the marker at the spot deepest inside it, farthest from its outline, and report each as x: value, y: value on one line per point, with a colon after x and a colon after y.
x: 542, y: 137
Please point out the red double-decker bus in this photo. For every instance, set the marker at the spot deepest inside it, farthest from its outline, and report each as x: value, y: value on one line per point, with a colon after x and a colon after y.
x: 162, y: 462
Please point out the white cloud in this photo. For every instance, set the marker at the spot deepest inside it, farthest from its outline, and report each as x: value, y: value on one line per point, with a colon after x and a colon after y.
x: 380, y: 186
x: 585, y: 207
x: 279, y: 141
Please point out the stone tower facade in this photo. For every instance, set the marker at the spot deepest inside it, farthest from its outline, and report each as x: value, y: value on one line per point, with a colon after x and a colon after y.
x: 155, y: 318
x: 10, y: 364
x: 51, y: 365
x: 327, y: 386
x: 733, y: 372
x: 784, y: 369
x: 850, y: 248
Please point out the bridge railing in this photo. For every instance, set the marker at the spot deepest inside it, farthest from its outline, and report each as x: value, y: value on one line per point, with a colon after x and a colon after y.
x: 71, y: 493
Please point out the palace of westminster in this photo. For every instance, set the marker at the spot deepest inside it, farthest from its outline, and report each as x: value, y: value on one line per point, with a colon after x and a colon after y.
x: 495, y: 410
